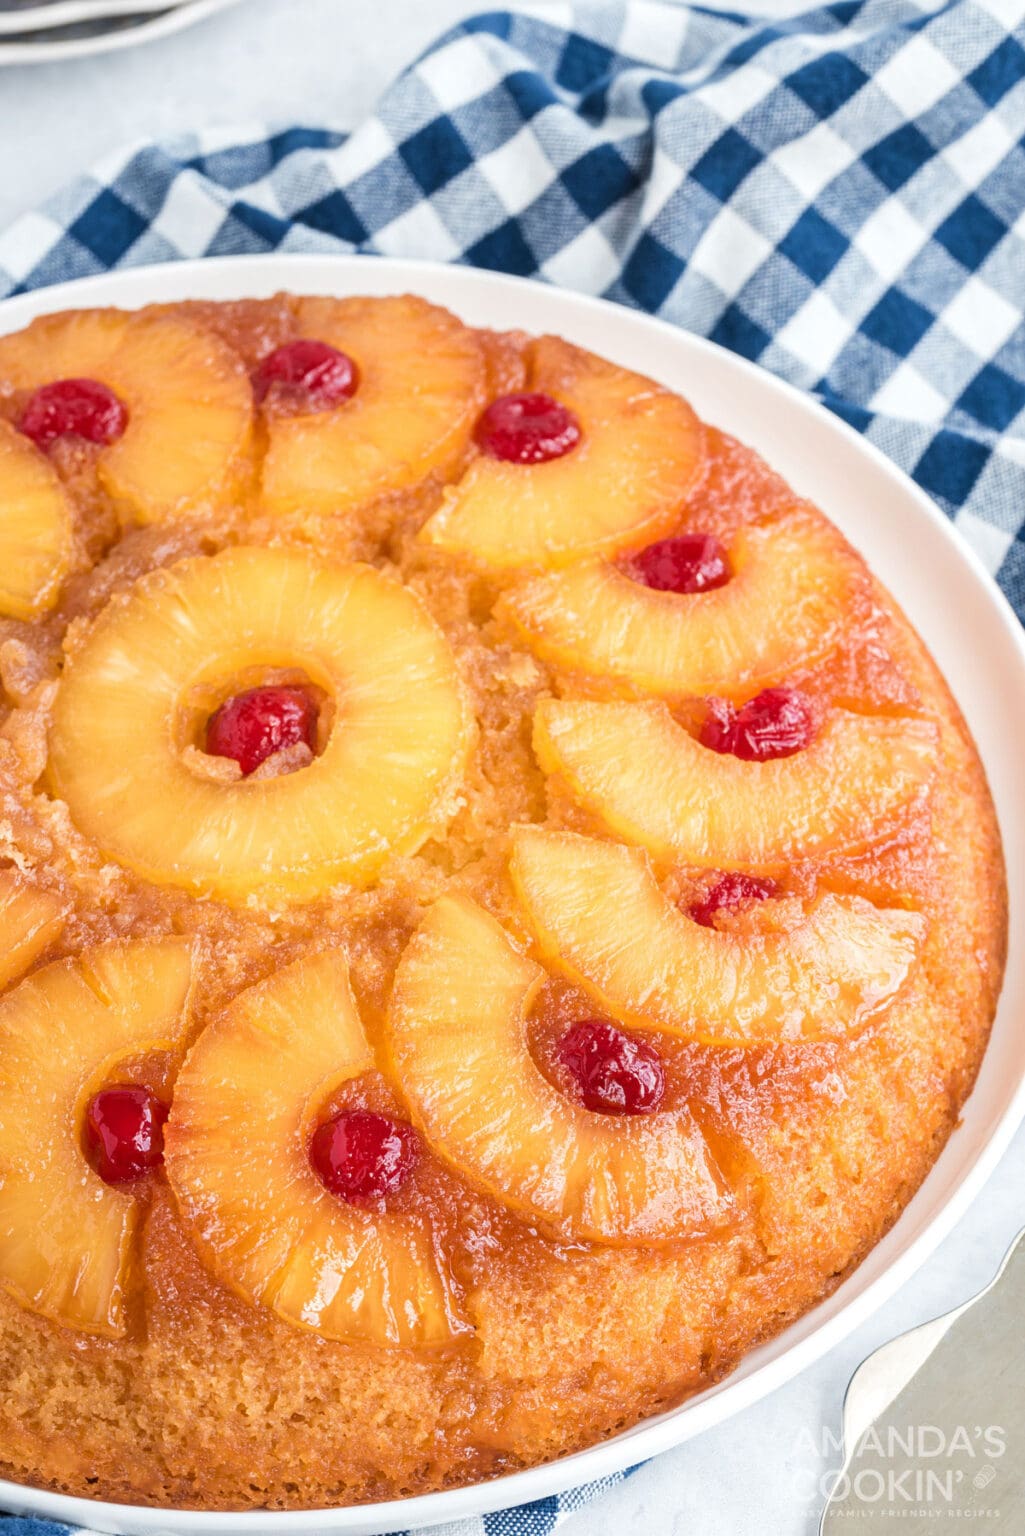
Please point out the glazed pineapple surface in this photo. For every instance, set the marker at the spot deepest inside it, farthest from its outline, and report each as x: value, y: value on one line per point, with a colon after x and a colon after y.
x: 500, y: 911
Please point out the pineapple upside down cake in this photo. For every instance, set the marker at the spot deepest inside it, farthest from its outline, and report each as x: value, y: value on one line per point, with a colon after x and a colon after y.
x: 499, y: 909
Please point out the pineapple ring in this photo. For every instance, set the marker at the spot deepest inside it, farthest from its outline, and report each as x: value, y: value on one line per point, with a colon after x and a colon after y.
x: 35, y: 529
x: 623, y: 485
x: 457, y: 1034
x: 648, y: 781
x: 236, y: 1153
x: 186, y: 447
x: 30, y: 920
x: 598, y: 915
x: 384, y: 781
x: 66, y: 1237
x: 422, y: 381
x: 593, y: 618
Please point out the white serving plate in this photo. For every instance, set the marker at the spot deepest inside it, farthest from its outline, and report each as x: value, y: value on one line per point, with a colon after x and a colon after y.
x: 170, y: 17
x: 971, y: 632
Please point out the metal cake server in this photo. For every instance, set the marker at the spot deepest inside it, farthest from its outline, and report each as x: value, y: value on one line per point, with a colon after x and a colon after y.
x: 934, y: 1423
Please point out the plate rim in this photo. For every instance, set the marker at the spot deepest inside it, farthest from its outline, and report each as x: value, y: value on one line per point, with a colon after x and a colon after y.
x: 344, y: 274
x: 54, y: 15
x: 178, y: 15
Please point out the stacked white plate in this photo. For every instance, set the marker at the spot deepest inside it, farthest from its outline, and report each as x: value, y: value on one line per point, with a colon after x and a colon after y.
x: 38, y: 31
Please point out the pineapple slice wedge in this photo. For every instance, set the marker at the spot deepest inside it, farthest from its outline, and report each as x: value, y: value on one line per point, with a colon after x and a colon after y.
x: 236, y: 1154
x: 791, y: 588
x: 66, y: 1237
x: 422, y: 382
x: 385, y: 779
x: 457, y: 1035
x: 190, y: 410
x: 599, y: 917
x: 639, y: 456
x: 648, y: 781
x: 35, y: 529
x: 30, y: 920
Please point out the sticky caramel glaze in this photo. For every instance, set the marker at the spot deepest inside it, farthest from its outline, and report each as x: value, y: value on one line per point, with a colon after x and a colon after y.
x: 211, y: 1403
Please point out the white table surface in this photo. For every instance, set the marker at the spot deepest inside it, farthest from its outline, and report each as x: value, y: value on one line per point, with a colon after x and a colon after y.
x: 325, y: 62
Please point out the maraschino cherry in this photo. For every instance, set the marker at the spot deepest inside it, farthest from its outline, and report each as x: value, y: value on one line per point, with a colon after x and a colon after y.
x: 691, y: 562
x: 526, y: 429
x: 775, y: 723
x: 361, y: 1157
x: 615, y: 1073
x: 82, y: 408
x: 124, y: 1133
x: 728, y: 894
x: 306, y: 375
x: 251, y: 726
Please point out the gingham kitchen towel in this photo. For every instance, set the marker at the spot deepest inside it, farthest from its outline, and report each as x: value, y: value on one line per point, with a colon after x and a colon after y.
x: 537, y: 1519
x: 839, y: 196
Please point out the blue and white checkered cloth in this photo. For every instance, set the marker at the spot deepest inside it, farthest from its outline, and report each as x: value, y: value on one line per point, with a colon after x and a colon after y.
x: 839, y: 196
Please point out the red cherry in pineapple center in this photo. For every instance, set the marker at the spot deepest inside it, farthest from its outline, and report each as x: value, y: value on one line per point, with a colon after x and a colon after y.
x: 361, y: 1157
x: 693, y: 562
x: 251, y: 726
x: 615, y: 1073
x: 306, y: 376
x: 775, y: 723
x: 124, y: 1133
x: 82, y: 408
x: 527, y: 429
x: 728, y: 894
